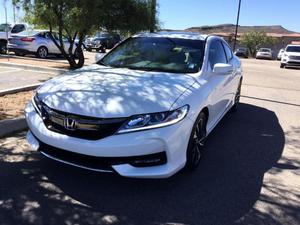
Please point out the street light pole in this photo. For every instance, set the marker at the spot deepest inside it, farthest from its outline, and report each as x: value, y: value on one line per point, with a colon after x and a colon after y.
x: 237, y: 25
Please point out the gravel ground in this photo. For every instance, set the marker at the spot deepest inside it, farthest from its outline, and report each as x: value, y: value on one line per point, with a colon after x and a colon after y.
x: 12, y: 105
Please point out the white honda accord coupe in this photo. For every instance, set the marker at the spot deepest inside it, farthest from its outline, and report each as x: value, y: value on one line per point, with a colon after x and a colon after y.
x: 143, y: 110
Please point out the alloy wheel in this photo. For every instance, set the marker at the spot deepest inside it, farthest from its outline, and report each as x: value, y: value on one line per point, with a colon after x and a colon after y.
x: 42, y: 52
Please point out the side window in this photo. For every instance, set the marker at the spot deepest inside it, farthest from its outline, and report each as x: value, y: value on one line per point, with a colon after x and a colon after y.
x: 228, y: 52
x: 216, y: 54
x: 42, y: 35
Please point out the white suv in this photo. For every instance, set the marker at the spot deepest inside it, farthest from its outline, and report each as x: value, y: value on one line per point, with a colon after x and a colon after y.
x: 143, y: 110
x: 291, y: 56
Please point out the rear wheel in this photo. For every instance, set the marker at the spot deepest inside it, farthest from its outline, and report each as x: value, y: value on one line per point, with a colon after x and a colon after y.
x: 42, y: 52
x: 3, y: 47
x: 196, y: 142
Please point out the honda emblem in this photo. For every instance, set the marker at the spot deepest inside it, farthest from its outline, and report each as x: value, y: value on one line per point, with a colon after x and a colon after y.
x: 69, y: 123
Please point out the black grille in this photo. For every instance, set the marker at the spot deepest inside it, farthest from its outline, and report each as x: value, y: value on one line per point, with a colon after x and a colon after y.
x: 102, y: 163
x: 294, y: 57
x: 89, y: 128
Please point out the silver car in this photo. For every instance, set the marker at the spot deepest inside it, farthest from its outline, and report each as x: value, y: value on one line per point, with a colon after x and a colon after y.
x: 264, y: 53
x: 36, y: 42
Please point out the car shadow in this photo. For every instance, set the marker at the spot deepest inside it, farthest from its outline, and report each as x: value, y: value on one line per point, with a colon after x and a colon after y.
x: 223, y: 189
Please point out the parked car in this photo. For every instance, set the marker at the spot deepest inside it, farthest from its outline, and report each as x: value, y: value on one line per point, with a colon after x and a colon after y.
x: 280, y: 53
x: 264, y: 53
x: 36, y: 42
x: 291, y: 56
x: 143, y: 110
x: 6, y: 30
x: 102, y: 41
x: 242, y: 52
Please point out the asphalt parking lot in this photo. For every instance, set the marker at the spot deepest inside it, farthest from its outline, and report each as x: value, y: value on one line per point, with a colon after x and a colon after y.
x: 17, y: 77
x: 249, y: 174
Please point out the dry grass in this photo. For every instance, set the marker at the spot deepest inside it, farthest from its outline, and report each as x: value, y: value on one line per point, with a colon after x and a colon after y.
x: 12, y: 105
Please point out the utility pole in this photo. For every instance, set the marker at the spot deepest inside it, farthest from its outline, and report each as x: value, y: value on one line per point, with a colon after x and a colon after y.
x: 14, y: 12
x: 6, y: 30
x: 153, y: 15
x: 237, y: 25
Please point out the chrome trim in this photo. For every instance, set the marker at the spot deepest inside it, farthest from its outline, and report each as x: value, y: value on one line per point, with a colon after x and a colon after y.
x: 80, y: 123
x: 73, y: 164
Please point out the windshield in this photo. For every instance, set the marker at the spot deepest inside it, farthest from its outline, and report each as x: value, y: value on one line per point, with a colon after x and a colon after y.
x: 18, y: 28
x: 157, y: 54
x: 5, y: 27
x: 102, y: 36
x: 293, y: 49
x: 264, y: 50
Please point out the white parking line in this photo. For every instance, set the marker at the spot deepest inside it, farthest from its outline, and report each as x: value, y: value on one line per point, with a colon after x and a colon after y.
x: 35, y: 71
x: 9, y: 71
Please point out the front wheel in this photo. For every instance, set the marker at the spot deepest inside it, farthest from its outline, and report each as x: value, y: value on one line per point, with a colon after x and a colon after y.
x: 282, y: 65
x: 237, y: 97
x: 196, y: 142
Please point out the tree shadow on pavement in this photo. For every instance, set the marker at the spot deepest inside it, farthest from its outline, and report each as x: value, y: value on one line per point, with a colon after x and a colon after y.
x: 242, y: 148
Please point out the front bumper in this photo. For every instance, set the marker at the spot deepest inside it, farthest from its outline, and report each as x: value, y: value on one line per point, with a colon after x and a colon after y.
x: 93, y: 46
x: 259, y: 56
x: 171, y: 141
x: 290, y: 62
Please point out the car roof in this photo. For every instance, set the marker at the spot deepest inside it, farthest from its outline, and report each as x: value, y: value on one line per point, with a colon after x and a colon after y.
x: 174, y: 34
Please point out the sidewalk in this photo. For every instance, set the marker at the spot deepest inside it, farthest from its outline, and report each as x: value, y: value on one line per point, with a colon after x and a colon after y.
x: 51, y: 62
x: 11, y: 78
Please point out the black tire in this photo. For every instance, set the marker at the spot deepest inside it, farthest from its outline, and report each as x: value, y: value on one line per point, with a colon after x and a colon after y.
x: 3, y: 48
x: 237, y: 98
x: 196, y: 143
x: 42, y: 52
x: 282, y: 65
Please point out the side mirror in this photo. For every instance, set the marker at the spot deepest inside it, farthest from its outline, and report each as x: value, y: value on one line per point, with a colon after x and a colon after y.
x: 99, y: 56
x: 223, y: 69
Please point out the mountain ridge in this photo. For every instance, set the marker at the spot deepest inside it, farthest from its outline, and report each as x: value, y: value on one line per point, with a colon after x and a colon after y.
x: 230, y: 28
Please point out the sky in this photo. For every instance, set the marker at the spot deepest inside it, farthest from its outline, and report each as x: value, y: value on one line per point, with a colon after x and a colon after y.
x: 181, y: 14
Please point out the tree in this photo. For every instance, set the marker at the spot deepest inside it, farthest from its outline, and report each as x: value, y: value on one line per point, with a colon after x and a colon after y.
x: 77, y: 18
x: 256, y: 39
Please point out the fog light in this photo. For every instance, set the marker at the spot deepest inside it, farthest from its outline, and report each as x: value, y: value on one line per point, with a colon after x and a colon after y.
x: 150, y: 160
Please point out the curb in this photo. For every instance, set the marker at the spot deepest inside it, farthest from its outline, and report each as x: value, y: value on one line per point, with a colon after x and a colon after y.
x: 12, y: 125
x: 29, y: 67
x: 19, y: 89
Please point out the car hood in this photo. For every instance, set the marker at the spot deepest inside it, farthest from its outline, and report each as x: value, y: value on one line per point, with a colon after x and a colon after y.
x: 105, y: 92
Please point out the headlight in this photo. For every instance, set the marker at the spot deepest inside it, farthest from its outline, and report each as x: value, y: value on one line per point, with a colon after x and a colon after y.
x: 285, y: 55
x: 37, y: 104
x: 153, y: 120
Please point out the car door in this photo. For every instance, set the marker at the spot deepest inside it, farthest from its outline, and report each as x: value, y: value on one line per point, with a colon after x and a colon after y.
x: 232, y: 78
x: 220, y: 83
x: 52, y: 48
